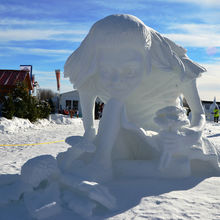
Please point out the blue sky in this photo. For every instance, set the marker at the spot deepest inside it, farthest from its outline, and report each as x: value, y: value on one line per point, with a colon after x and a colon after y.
x: 43, y: 33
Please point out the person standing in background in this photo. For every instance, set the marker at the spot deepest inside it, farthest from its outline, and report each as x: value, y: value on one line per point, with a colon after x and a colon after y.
x: 216, y: 114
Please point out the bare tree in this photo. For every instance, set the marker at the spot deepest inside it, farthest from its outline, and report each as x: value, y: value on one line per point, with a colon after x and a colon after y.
x: 46, y: 94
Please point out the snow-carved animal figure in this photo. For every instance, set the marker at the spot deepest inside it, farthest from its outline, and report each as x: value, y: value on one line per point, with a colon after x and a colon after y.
x: 136, y: 72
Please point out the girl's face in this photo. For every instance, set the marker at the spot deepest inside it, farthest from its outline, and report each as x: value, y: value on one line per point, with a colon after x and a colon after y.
x: 120, y: 70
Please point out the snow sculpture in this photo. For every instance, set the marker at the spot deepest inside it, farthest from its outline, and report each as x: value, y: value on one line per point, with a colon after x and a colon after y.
x: 214, y: 105
x: 124, y: 59
x: 137, y: 72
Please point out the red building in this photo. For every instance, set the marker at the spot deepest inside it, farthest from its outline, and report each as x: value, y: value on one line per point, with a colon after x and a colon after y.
x: 9, y: 79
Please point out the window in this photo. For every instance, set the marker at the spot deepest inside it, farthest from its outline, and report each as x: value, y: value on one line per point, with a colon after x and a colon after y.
x: 75, y: 104
x: 68, y: 104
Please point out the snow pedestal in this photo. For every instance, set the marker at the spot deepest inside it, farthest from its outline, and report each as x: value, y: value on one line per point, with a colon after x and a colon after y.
x: 178, y: 168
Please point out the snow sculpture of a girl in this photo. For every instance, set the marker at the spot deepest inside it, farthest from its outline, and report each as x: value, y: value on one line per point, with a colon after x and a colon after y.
x: 135, y: 72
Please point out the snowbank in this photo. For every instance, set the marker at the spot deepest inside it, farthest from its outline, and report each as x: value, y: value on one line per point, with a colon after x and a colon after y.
x: 16, y: 125
x: 61, y: 119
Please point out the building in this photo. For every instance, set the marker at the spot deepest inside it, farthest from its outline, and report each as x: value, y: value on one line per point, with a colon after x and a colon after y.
x: 71, y: 100
x: 9, y: 79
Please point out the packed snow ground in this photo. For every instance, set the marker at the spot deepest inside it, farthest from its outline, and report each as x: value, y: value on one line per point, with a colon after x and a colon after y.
x: 149, y: 198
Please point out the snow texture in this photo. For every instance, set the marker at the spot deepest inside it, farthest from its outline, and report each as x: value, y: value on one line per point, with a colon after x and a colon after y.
x: 38, y: 169
x: 43, y: 203
x: 16, y: 124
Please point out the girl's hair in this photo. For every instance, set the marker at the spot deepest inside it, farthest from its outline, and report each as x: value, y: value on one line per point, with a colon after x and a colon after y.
x: 127, y: 31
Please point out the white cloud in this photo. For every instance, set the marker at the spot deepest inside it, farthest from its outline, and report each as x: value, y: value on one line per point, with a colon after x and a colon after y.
x: 37, y: 51
x: 19, y: 29
x: 48, y: 51
x: 37, y: 34
x: 56, y: 24
x: 195, y: 28
x: 143, y: 4
x: 20, y: 9
x: 9, y: 21
x: 41, y: 51
x: 191, y: 40
x: 209, y: 83
x: 122, y: 4
x: 203, y: 3
x: 42, y: 72
x: 208, y: 3
x: 212, y: 74
x: 196, y: 35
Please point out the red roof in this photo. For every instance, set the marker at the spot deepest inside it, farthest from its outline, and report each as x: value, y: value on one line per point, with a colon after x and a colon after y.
x: 9, y: 78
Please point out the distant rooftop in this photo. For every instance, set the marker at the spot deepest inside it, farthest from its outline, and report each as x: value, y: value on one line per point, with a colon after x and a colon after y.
x: 9, y: 78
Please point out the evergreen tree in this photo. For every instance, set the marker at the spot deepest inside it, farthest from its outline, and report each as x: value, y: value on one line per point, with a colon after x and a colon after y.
x: 22, y: 105
x: 8, y: 107
x: 33, y: 111
x: 44, y: 109
x: 20, y: 97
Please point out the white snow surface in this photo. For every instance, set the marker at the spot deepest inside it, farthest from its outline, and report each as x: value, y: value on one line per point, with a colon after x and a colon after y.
x: 17, y: 124
x: 136, y: 198
x: 22, y: 131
